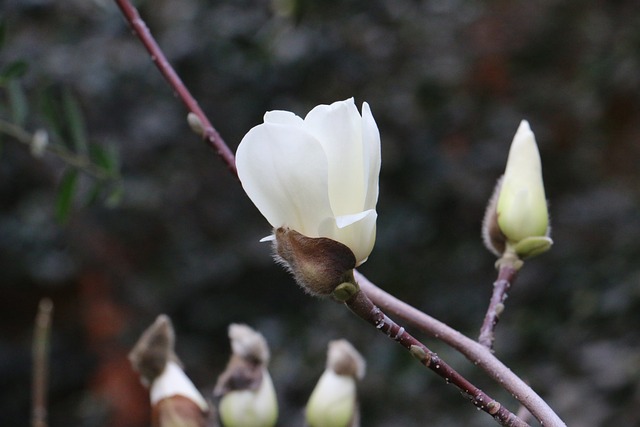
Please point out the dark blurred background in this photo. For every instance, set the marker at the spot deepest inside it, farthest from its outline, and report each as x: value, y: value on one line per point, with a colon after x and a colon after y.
x: 448, y: 83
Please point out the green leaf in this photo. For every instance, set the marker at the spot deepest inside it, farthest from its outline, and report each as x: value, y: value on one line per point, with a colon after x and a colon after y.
x: 66, y: 194
x: 14, y: 70
x: 51, y: 112
x: 75, y: 121
x: 93, y: 194
x: 106, y: 158
x: 18, y: 103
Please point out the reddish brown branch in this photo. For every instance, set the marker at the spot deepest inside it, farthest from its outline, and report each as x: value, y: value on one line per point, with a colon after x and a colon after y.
x: 209, y: 133
x: 506, y: 276
x: 362, y: 306
x: 471, y: 349
x: 40, y: 350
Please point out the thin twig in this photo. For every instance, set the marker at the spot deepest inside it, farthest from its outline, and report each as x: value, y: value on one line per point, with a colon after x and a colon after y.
x: 506, y: 276
x: 40, y: 381
x: 362, y: 306
x: 209, y: 133
x: 78, y: 161
x: 475, y: 352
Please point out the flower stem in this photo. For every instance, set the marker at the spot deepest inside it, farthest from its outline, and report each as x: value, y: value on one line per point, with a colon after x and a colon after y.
x: 209, y: 133
x: 362, y: 306
x: 506, y: 276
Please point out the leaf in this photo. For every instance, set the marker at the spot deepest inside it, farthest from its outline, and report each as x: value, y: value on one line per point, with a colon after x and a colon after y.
x: 66, y: 194
x: 50, y: 111
x: 106, y: 158
x: 14, y: 70
x: 18, y: 103
x: 93, y: 194
x: 75, y: 121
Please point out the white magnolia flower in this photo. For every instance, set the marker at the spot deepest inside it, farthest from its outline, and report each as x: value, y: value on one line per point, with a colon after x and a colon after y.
x: 522, y: 205
x: 317, y: 175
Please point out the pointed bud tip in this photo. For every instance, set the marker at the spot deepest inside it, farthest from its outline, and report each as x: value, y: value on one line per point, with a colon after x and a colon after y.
x: 154, y: 349
x: 248, y: 343
x: 344, y: 359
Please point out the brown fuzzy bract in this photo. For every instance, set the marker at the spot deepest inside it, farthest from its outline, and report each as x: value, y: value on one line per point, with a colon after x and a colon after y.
x: 318, y: 264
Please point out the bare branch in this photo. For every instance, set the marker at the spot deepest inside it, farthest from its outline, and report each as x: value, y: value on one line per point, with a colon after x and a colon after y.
x: 361, y: 305
x: 40, y: 380
x: 506, y: 276
x: 209, y: 133
x: 472, y: 350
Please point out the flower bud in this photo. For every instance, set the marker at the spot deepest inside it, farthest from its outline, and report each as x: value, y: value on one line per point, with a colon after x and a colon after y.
x: 318, y: 264
x: 517, y: 217
x: 174, y: 398
x: 333, y: 402
x: 522, y: 206
x: 246, y: 391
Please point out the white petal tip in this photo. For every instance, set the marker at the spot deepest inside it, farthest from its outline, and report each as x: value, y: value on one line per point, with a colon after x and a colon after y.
x: 524, y: 126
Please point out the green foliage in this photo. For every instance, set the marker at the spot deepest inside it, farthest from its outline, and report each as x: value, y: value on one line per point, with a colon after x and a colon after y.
x: 66, y: 194
x: 75, y: 122
x: 18, y: 105
x: 65, y: 136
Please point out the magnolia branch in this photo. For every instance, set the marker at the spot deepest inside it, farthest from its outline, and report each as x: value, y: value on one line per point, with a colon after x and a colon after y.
x: 506, y: 276
x: 205, y: 128
x: 362, y: 306
x: 40, y: 349
x: 474, y: 351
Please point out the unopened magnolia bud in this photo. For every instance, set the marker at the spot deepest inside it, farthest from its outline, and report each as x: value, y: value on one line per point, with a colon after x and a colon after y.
x: 344, y: 359
x: 522, y: 206
x: 175, y: 401
x: 318, y: 264
x: 517, y: 220
x: 333, y: 402
x: 246, y: 392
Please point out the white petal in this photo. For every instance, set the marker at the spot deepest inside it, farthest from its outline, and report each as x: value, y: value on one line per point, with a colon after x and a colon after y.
x: 283, y: 118
x: 357, y: 231
x: 174, y: 382
x: 284, y: 171
x: 371, y: 155
x: 338, y: 127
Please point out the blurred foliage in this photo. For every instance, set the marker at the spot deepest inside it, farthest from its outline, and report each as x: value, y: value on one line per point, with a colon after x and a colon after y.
x: 448, y: 83
x: 65, y: 136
